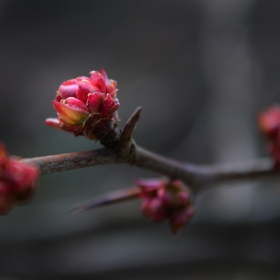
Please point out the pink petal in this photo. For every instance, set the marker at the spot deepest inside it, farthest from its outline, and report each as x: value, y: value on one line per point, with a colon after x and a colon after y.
x: 110, y: 84
x: 98, y: 81
x: 67, y: 89
x: 76, y: 103
x: 84, y: 88
x: 107, y: 106
x: 53, y: 122
x: 95, y: 101
x: 70, y: 115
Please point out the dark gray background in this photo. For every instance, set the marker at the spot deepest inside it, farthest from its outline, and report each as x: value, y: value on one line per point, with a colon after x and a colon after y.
x: 201, y: 70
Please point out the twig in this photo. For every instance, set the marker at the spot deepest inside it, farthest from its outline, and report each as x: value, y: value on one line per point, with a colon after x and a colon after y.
x: 106, y: 199
x: 198, y: 177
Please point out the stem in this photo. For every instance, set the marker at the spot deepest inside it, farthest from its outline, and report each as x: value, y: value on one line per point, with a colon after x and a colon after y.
x: 69, y: 161
x: 122, y: 149
x: 198, y: 177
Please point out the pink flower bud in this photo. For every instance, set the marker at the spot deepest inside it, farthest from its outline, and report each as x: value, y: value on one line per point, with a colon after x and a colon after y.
x: 17, y: 181
x: 269, y: 123
x: 166, y: 200
x: 86, y: 106
x: 23, y: 179
x: 154, y: 209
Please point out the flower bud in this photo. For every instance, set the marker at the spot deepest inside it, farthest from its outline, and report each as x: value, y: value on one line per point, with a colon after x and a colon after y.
x: 17, y: 181
x: 166, y: 200
x: 23, y: 178
x: 269, y: 123
x: 87, y: 106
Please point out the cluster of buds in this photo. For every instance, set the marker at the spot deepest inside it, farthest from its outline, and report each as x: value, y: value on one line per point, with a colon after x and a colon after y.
x: 86, y: 105
x: 269, y: 123
x: 166, y: 200
x: 17, y: 181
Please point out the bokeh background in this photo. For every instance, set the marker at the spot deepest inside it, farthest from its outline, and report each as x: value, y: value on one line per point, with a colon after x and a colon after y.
x: 201, y: 70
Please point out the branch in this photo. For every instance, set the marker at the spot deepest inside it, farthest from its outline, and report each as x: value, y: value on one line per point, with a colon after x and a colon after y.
x: 197, y: 177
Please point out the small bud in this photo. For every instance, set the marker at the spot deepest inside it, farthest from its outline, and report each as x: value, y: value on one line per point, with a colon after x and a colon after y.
x: 166, y: 200
x: 17, y: 181
x: 23, y: 179
x: 87, y: 106
x: 269, y: 123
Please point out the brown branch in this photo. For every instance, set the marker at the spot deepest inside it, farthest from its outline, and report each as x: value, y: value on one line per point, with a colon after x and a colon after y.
x: 69, y: 161
x: 198, y: 177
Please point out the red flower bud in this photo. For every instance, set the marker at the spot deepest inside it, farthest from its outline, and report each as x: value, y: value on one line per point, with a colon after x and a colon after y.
x: 86, y: 106
x: 166, y: 200
x: 23, y: 179
x: 269, y: 123
x: 17, y: 181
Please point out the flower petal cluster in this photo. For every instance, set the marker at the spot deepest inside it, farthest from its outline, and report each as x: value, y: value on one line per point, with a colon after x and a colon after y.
x: 84, y: 105
x: 166, y: 200
x: 269, y: 123
x: 17, y: 181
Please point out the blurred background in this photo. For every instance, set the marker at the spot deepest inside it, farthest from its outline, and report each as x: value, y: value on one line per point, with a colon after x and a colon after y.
x: 201, y: 70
